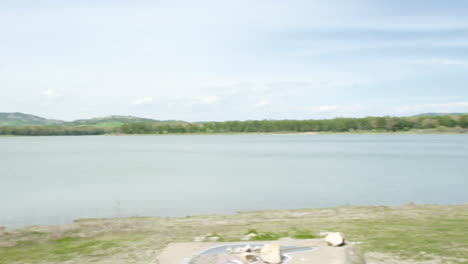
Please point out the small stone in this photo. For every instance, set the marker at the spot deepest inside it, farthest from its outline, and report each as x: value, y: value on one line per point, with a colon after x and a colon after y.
x: 238, y: 250
x: 247, y: 248
x: 335, y: 239
x: 271, y: 253
x: 248, y: 257
x: 229, y: 250
x: 213, y: 239
x: 257, y: 249
x: 248, y: 237
x: 199, y: 239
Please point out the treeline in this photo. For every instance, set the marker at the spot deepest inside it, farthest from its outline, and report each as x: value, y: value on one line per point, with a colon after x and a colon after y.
x: 372, y: 124
x: 51, y: 130
x: 389, y: 124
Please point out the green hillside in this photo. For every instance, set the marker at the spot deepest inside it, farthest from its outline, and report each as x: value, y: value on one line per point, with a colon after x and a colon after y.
x: 440, y: 114
x: 20, y: 119
x: 30, y: 125
x: 116, y: 121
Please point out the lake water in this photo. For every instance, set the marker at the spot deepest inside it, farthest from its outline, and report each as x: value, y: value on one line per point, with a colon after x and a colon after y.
x: 53, y: 180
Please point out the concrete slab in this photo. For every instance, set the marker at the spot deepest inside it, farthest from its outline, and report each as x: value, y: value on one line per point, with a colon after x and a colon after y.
x: 319, y: 253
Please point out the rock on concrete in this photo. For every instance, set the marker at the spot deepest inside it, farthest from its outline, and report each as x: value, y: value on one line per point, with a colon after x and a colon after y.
x: 199, y: 239
x: 248, y: 257
x: 213, y: 239
x: 271, y: 253
x: 335, y: 239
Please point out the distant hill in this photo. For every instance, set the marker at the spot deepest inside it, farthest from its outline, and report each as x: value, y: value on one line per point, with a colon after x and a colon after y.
x: 439, y: 114
x: 111, y: 121
x: 20, y: 119
x: 116, y: 120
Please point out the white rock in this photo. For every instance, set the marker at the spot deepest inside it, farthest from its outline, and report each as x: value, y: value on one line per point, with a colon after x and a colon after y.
x: 271, y: 253
x: 213, y: 239
x: 335, y: 239
x: 248, y: 237
x: 199, y: 239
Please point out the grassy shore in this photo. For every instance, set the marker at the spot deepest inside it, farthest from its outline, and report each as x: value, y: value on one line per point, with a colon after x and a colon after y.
x: 426, y: 234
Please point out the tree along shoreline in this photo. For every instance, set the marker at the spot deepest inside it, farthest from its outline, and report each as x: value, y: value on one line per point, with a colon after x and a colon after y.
x: 416, y: 124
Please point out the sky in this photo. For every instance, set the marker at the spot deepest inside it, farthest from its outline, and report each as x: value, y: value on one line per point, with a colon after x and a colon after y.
x: 233, y: 60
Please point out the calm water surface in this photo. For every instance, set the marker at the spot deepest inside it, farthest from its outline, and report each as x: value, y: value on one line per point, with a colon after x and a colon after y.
x: 52, y: 180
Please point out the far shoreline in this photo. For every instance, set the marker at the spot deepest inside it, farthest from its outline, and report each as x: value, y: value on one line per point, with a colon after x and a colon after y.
x: 312, y: 133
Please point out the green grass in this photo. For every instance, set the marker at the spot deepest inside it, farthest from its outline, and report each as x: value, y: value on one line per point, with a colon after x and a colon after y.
x: 265, y: 236
x: 303, y: 234
x: 409, y: 237
x: 56, y: 250
x: 251, y: 231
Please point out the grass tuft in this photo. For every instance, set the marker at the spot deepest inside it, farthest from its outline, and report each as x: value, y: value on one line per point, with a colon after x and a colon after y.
x: 269, y: 236
x: 303, y: 234
x: 252, y: 231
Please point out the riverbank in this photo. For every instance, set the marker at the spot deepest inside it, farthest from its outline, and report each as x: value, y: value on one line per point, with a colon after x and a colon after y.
x: 356, y: 132
x: 423, y: 234
x: 432, y: 131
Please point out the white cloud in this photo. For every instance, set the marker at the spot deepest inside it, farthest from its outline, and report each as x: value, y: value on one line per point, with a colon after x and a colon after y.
x: 142, y: 100
x: 262, y: 103
x: 426, y: 108
x: 440, y: 61
x: 197, y: 100
x: 325, y: 108
x: 207, y: 99
x: 50, y: 93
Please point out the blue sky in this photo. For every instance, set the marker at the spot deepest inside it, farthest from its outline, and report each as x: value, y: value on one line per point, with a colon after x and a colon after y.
x: 233, y: 60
